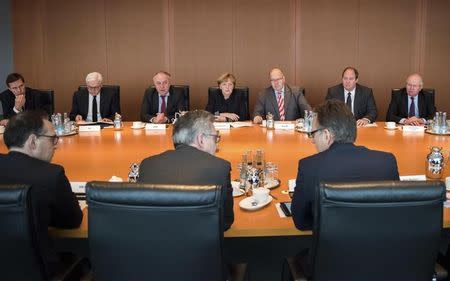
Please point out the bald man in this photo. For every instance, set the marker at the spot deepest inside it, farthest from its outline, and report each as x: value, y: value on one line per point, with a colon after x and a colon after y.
x: 94, y: 103
x: 410, y: 105
x: 284, y: 102
x: 162, y: 101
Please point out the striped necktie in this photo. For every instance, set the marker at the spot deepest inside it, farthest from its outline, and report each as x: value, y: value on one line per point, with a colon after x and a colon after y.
x: 280, y: 100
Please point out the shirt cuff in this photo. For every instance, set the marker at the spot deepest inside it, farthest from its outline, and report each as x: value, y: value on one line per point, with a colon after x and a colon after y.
x: 16, y: 110
x: 402, y: 121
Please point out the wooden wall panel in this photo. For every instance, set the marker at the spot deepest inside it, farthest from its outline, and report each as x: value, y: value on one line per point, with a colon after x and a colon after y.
x: 135, y: 49
x: 328, y: 43
x: 28, y: 48
x: 56, y: 43
x: 202, y: 45
x: 437, y: 54
x: 264, y: 38
x: 75, y: 44
x: 386, y: 47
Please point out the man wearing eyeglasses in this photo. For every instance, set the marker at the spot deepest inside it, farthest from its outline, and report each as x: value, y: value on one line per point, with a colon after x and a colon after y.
x: 410, y: 105
x: 282, y: 101
x: 192, y: 161
x: 162, y: 101
x: 18, y: 97
x: 32, y: 141
x: 94, y: 103
x: 338, y: 159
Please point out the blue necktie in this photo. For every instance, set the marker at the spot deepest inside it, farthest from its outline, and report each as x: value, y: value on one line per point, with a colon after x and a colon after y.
x: 412, y: 108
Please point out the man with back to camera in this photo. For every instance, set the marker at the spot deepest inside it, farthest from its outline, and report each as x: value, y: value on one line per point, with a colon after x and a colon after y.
x: 338, y: 159
x: 94, y: 103
x: 31, y: 140
x: 357, y: 97
x: 161, y: 102
x: 18, y: 97
x: 410, y: 105
x: 195, y: 139
x: 284, y: 102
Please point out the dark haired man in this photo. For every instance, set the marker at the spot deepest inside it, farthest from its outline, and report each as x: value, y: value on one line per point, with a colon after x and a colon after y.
x: 194, y: 137
x: 31, y: 141
x: 338, y: 159
x: 17, y: 97
x: 162, y: 101
x: 358, y: 98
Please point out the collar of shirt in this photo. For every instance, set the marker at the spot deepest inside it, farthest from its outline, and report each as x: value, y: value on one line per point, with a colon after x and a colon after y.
x: 276, y: 92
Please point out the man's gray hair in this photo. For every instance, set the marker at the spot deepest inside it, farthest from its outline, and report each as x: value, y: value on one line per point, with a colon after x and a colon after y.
x: 190, y: 125
x: 94, y: 76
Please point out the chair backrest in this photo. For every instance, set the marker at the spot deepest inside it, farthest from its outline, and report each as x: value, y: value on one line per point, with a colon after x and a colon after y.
x: 385, y: 230
x: 242, y: 91
x: 47, y: 100
x: 184, y: 90
x: 155, y: 232
x: 18, y: 255
x: 115, y: 89
x: 426, y: 91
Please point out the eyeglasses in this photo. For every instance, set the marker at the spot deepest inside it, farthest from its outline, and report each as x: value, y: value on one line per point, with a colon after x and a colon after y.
x: 312, y: 133
x: 215, y: 136
x: 55, y: 138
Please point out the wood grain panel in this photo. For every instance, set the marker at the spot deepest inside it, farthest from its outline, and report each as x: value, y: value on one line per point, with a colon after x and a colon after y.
x: 135, y: 48
x: 75, y: 44
x: 202, y: 45
x: 28, y: 48
x: 264, y: 38
x: 387, y: 33
x: 328, y: 36
x: 437, y: 54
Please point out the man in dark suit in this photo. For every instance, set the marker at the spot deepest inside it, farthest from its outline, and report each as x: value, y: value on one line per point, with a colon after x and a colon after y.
x: 18, y: 97
x: 358, y: 98
x: 410, y: 105
x: 94, y: 103
x: 161, y: 102
x: 284, y: 102
x: 31, y: 141
x: 193, y: 160
x: 334, y: 134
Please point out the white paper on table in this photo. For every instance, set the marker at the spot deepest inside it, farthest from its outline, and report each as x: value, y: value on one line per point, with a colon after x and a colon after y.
x: 280, y: 212
x: 370, y: 125
x: 82, y: 204
x: 240, y: 124
x: 78, y: 186
x: 413, y: 178
x: 413, y: 129
x: 222, y: 125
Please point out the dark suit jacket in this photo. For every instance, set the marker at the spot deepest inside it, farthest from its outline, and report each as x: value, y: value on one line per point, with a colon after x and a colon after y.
x: 109, y: 104
x: 364, y: 104
x: 341, y: 162
x: 234, y: 104
x: 398, y: 108
x: 189, y: 165
x: 150, y: 103
x: 294, y: 104
x: 52, y: 200
x: 32, y: 101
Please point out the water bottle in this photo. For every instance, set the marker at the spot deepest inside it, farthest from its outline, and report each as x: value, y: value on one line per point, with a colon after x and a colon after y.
x: 117, y: 121
x: 59, y: 122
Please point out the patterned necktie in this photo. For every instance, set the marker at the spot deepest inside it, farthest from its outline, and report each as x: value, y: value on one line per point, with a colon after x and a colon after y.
x: 94, y: 109
x: 163, y: 104
x: 349, y: 100
x: 280, y: 100
x: 412, y: 108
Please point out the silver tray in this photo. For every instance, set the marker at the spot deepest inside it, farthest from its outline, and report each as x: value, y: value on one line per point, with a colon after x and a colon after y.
x: 439, y: 134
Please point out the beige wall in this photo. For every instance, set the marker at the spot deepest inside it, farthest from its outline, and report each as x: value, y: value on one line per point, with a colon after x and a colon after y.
x: 56, y: 43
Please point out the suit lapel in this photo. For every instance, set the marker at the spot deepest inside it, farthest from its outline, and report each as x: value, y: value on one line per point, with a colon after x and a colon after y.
x: 356, y: 103
x: 274, y: 103
x: 85, y: 103
x: 341, y: 95
x: 421, y: 105
x: 170, y: 99
x: 287, y: 100
x: 103, y: 102
x: 404, y: 102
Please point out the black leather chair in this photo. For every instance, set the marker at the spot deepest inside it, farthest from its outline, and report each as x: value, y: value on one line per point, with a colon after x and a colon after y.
x: 426, y: 91
x: 375, y: 231
x: 184, y: 89
x: 19, y: 257
x: 241, y: 91
x: 47, y: 100
x: 155, y: 232
x: 115, y: 88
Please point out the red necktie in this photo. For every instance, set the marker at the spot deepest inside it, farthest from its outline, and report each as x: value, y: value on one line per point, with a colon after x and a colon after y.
x: 281, y: 105
x: 163, y: 104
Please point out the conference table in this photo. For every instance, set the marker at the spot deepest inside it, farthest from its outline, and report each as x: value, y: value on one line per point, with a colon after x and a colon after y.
x: 89, y: 156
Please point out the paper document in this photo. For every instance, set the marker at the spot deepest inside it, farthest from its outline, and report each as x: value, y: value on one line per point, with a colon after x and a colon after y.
x: 413, y: 178
x: 240, y: 124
